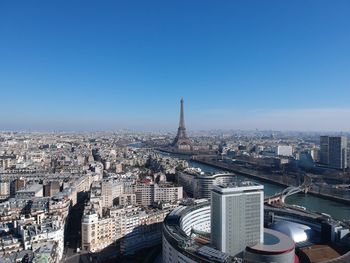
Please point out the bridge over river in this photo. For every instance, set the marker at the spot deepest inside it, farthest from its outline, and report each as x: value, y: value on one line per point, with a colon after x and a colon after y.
x: 280, y: 197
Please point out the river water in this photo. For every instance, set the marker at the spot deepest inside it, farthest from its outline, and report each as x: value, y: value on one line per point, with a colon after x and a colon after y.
x: 313, y: 203
x: 337, y: 210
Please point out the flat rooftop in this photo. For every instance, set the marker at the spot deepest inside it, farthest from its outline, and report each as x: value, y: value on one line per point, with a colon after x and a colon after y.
x: 320, y: 253
x: 238, y: 187
x: 274, y: 242
x: 32, y: 188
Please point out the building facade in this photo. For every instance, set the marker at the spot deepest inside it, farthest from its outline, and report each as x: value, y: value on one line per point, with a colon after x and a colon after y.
x: 134, y: 227
x: 186, y: 239
x: 333, y: 151
x: 4, y: 190
x: 147, y: 194
x: 284, y: 150
x: 237, y: 216
x: 110, y: 190
x: 199, y: 185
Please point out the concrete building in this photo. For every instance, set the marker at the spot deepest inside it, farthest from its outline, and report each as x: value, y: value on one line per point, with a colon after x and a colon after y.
x: 89, y: 230
x: 333, y: 151
x: 237, y: 216
x: 98, y: 233
x: 198, y: 185
x: 7, y: 161
x: 110, y: 190
x: 134, y: 227
x: 186, y: 239
x: 127, y: 199
x: 5, y: 190
x: 324, y: 150
x: 20, y: 183
x: 147, y: 194
x: 83, y: 184
x: 52, y: 188
x: 276, y: 247
x: 34, y: 190
x: 284, y: 150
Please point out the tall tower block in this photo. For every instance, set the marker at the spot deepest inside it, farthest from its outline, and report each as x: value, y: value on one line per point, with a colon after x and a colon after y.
x: 237, y: 216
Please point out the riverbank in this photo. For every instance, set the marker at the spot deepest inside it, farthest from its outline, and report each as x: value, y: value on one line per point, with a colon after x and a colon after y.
x: 253, y: 174
x: 241, y: 171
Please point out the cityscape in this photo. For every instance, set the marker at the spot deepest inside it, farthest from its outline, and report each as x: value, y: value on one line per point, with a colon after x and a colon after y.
x: 175, y: 132
x: 141, y: 197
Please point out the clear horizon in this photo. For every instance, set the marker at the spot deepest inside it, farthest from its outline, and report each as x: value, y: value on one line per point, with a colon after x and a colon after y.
x: 240, y: 65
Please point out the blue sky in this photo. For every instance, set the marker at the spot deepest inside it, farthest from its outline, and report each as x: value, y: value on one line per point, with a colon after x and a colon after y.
x: 95, y: 65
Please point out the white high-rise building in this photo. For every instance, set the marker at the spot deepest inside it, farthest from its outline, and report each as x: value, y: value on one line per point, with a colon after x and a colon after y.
x: 237, y: 216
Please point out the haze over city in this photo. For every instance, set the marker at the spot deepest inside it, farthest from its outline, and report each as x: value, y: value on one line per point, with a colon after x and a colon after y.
x: 120, y: 64
x: 175, y: 131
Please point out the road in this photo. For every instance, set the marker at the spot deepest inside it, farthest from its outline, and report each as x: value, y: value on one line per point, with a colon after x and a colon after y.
x: 72, y: 235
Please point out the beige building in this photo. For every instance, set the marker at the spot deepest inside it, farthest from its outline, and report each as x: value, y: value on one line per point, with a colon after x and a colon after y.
x: 127, y: 199
x: 110, y: 190
x: 34, y: 190
x: 98, y: 233
x: 83, y: 184
x: 147, y: 194
x: 4, y: 190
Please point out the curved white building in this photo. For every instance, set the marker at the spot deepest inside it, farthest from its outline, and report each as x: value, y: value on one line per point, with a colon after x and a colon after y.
x: 181, y: 244
x: 199, y: 185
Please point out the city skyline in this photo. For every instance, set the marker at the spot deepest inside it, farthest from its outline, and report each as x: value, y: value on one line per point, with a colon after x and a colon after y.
x: 238, y: 65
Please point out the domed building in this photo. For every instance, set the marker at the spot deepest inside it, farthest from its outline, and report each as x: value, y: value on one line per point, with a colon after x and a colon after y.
x: 298, y: 232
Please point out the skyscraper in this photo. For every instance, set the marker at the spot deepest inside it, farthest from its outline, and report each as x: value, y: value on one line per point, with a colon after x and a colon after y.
x: 333, y: 151
x: 237, y: 216
x: 324, y: 150
x: 181, y: 141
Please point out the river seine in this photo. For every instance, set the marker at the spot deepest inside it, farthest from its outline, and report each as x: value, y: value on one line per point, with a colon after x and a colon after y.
x: 313, y: 203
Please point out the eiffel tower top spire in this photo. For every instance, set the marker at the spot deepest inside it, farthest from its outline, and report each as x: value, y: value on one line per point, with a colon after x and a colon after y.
x: 182, y: 117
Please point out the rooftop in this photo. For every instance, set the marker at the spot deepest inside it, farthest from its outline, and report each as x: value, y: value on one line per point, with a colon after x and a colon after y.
x: 237, y: 187
x: 320, y: 253
x: 31, y: 188
x: 274, y: 242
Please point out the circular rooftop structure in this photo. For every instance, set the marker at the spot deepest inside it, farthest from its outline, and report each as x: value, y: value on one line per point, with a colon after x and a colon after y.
x: 179, y: 244
x: 277, y: 247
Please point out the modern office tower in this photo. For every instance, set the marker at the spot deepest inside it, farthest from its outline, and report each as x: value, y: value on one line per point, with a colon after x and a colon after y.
x: 333, y: 151
x: 237, y: 216
x: 324, y: 150
x: 338, y: 152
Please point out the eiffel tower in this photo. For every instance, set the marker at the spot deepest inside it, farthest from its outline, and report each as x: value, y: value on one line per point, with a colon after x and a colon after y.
x: 182, y: 141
